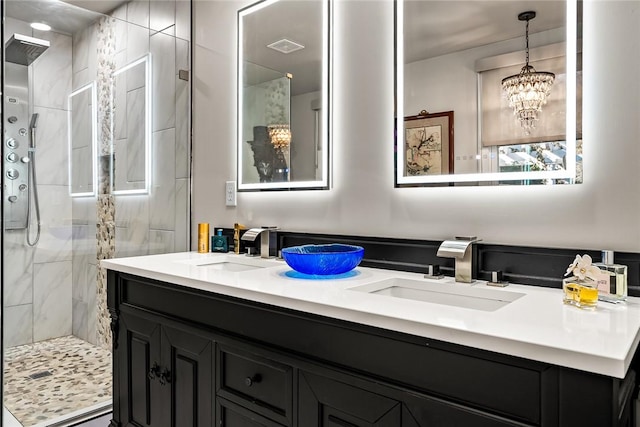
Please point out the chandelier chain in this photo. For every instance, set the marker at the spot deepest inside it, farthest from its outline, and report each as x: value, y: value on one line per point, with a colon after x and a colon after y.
x: 527, y: 42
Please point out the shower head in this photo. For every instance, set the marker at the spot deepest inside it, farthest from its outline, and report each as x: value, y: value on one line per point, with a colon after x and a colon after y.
x: 32, y: 129
x: 23, y: 50
x: 34, y: 121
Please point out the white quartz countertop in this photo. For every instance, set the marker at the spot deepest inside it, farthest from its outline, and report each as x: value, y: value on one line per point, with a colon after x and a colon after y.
x: 536, y: 326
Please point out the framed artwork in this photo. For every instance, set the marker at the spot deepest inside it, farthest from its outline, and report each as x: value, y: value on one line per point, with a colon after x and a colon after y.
x: 428, y: 144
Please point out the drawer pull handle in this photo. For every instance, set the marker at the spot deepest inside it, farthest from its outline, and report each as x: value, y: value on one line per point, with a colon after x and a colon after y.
x: 249, y: 381
x: 154, y: 371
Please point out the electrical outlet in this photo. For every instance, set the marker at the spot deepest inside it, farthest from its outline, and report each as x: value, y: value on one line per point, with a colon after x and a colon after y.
x: 230, y: 194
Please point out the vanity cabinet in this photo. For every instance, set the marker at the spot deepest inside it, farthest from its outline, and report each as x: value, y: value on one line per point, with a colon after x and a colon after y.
x: 188, y: 357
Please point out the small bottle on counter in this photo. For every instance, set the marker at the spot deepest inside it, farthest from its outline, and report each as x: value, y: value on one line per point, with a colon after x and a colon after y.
x: 219, y: 242
x: 580, y: 293
x: 612, y: 285
x: 203, y: 237
x: 236, y: 236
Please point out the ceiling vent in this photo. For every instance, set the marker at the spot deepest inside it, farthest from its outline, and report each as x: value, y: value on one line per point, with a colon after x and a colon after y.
x: 285, y: 46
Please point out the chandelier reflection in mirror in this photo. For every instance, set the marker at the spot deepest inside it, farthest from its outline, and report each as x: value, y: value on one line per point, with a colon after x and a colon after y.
x: 280, y: 135
x: 528, y: 90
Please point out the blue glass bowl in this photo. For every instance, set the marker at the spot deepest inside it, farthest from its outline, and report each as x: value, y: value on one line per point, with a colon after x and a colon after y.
x: 323, y: 259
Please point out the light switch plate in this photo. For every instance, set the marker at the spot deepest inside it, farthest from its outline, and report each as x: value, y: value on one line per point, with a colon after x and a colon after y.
x: 230, y: 194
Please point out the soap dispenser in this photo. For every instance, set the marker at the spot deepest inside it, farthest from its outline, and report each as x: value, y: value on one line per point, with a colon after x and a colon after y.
x: 612, y: 286
x: 219, y: 242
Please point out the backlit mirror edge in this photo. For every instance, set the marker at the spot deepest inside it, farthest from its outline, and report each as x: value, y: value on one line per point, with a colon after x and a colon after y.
x: 451, y: 179
x: 146, y: 59
x: 327, y: 94
x: 94, y: 140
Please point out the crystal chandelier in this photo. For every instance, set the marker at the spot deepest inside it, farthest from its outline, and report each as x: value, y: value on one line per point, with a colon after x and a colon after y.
x: 280, y: 135
x: 528, y: 90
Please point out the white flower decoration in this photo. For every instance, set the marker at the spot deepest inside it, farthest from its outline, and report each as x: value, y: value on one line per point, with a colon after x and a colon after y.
x: 582, y: 268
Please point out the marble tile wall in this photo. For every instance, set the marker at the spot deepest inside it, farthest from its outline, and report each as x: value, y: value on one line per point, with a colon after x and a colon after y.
x: 84, y: 269
x: 158, y: 222
x: 183, y: 110
x: 163, y: 50
x: 51, y: 300
x: 81, y: 138
x: 133, y: 167
x: 84, y: 211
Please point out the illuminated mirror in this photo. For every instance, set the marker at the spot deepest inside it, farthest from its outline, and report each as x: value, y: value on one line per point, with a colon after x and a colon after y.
x: 83, y: 140
x: 455, y: 65
x: 283, y: 95
x: 131, y: 133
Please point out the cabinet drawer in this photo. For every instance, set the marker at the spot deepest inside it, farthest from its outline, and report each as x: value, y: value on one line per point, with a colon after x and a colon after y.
x: 232, y: 415
x: 256, y: 382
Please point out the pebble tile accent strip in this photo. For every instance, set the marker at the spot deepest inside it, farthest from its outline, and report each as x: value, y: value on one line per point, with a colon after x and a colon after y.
x: 80, y: 377
x: 105, y: 232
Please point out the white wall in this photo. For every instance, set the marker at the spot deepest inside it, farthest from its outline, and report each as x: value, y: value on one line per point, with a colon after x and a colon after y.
x: 602, y: 212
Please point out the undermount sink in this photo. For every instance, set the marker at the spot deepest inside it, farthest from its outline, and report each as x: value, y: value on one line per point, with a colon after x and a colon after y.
x: 458, y: 295
x: 230, y: 266
x: 230, y: 263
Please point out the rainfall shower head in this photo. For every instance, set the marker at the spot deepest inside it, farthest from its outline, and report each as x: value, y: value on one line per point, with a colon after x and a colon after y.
x: 23, y: 50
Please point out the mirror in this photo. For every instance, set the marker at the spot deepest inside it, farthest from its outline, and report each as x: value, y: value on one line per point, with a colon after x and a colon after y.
x: 83, y: 141
x: 454, y: 63
x: 131, y: 133
x: 283, y: 95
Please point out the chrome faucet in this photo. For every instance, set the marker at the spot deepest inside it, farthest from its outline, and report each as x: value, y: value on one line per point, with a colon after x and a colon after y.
x: 252, y: 234
x: 460, y: 250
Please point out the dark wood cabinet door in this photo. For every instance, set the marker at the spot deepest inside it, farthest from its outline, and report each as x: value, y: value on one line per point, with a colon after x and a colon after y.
x: 324, y: 402
x: 140, y: 394
x: 188, y: 361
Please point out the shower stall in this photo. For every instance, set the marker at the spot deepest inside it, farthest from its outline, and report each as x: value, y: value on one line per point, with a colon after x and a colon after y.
x: 93, y: 95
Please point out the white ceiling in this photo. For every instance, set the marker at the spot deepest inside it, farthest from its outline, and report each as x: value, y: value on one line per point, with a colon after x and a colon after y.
x: 434, y: 28
x: 298, y: 21
x: 64, y: 16
x: 100, y: 6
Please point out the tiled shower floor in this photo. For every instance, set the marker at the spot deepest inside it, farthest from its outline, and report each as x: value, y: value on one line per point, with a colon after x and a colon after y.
x: 80, y: 378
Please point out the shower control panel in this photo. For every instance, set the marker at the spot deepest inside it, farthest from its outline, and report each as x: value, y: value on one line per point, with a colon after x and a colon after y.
x: 16, y: 194
x: 16, y: 163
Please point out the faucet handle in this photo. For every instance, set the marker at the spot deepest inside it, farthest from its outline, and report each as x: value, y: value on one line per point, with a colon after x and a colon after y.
x: 497, y: 280
x: 433, y: 272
